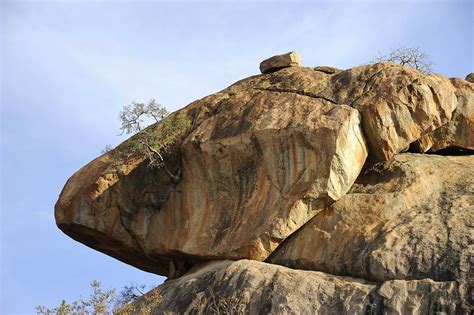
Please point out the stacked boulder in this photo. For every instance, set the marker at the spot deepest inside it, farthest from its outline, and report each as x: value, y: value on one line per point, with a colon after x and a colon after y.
x: 303, y: 190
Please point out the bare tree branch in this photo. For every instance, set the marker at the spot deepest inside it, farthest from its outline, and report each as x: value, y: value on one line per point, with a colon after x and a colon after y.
x: 409, y: 57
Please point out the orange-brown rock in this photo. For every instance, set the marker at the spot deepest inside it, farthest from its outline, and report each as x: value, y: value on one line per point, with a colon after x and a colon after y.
x: 398, y: 104
x: 459, y: 131
x: 256, y: 167
x: 409, y: 218
x: 264, y: 156
x: 275, y: 63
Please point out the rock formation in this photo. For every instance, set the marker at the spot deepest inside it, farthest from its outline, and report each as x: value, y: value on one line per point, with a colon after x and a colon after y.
x: 408, y: 218
x: 258, y: 186
x: 250, y: 287
x: 306, y: 168
x: 459, y: 132
x: 275, y: 63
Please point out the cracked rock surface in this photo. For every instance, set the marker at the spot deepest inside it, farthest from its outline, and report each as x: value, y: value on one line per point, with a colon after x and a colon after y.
x: 250, y: 287
x: 257, y: 166
x: 408, y: 218
x: 306, y: 168
x: 459, y: 131
x: 398, y: 105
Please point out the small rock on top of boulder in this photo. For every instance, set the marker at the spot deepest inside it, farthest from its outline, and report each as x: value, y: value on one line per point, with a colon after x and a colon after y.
x: 275, y: 63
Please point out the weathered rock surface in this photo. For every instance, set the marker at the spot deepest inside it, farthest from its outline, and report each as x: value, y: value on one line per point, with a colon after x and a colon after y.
x: 398, y: 104
x: 249, y: 287
x: 275, y: 63
x: 459, y: 132
x: 264, y: 156
x: 265, y: 170
x: 257, y: 166
x: 326, y: 69
x: 409, y: 218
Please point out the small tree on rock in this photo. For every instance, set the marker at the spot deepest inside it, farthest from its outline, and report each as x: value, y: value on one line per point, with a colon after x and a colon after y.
x: 152, y: 142
x: 410, y: 57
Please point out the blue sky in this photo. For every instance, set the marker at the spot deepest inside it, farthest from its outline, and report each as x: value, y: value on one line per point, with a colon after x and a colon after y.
x: 67, y: 68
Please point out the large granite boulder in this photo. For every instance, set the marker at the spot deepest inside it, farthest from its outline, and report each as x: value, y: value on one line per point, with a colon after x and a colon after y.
x: 249, y: 287
x: 255, y: 168
x: 275, y: 63
x: 267, y: 174
x: 409, y: 218
x: 264, y: 156
x: 398, y: 104
x: 459, y: 131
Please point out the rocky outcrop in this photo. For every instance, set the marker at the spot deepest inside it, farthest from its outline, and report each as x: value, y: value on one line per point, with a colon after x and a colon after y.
x: 275, y: 63
x: 398, y: 105
x: 247, y: 183
x: 459, y: 131
x: 249, y: 287
x: 302, y: 167
x: 409, y: 218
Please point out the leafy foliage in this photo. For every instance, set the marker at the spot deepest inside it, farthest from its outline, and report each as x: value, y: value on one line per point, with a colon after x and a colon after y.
x: 133, y: 116
x: 153, y: 141
x: 410, y: 57
x: 100, y: 302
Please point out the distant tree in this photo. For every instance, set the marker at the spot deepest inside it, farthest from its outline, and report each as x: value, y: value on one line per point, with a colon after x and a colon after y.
x: 152, y: 141
x: 410, y: 57
x: 101, y: 302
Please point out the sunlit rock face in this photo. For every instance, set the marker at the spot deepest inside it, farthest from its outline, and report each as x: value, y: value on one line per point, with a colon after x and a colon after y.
x: 250, y: 287
x: 459, y: 131
x: 263, y: 157
x: 257, y: 166
x: 398, y: 104
x: 408, y: 218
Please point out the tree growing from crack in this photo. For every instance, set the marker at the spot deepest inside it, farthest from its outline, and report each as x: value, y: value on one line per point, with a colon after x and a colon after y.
x: 151, y: 141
